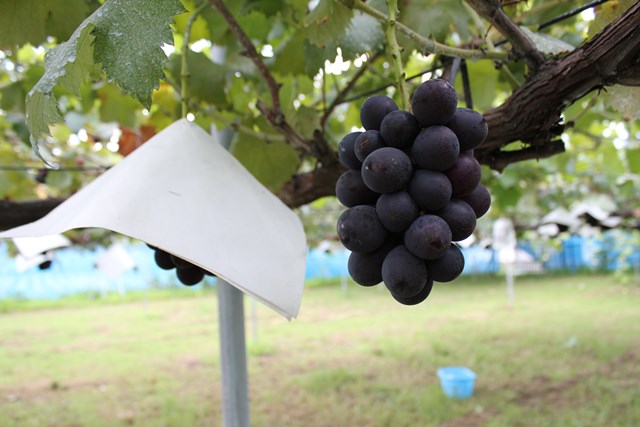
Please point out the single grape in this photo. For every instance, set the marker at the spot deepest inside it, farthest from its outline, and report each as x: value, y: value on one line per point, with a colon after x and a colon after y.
x: 403, y: 273
x: 428, y: 237
x: 352, y: 191
x: 368, y: 142
x: 479, y: 200
x: 435, y: 148
x: 460, y: 217
x: 464, y: 175
x: 346, y: 152
x: 431, y: 190
x: 419, y: 297
x: 387, y: 170
x: 470, y: 127
x: 366, y: 269
x: 374, y: 109
x: 396, y: 211
x: 360, y: 230
x: 45, y: 265
x: 399, y: 129
x: 448, y: 267
x: 434, y: 102
x: 190, y: 276
x: 163, y: 260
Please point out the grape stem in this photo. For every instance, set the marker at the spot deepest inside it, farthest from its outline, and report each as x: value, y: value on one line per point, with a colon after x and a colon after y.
x: 184, y: 69
x: 396, y: 54
x: 428, y: 45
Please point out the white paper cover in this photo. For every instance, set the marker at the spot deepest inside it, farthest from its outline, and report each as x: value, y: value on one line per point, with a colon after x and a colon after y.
x: 184, y: 193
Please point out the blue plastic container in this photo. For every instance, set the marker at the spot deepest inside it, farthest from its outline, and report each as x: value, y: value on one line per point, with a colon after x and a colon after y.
x: 457, y: 382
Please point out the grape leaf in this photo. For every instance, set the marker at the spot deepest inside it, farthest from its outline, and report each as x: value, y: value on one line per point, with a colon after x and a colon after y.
x: 116, y: 106
x: 125, y: 37
x: 70, y: 62
x: 363, y: 34
x: 206, y: 79
x: 129, y: 34
x: 272, y: 163
x: 31, y: 21
x: 328, y: 20
x: 625, y: 100
x: 546, y: 43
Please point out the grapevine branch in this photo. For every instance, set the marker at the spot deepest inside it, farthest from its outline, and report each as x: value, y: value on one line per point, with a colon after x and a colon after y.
x: 522, y: 44
x: 316, y: 147
x: 428, y: 45
x: 396, y: 54
x: 532, y: 114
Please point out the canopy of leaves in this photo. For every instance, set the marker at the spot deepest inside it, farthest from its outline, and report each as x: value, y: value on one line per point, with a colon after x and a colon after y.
x: 288, y: 77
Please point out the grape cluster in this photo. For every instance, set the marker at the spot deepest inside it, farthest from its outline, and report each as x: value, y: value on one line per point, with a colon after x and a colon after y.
x: 188, y: 274
x: 412, y: 188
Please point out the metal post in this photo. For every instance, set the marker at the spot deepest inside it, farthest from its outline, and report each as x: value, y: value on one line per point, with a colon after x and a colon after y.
x: 233, y: 356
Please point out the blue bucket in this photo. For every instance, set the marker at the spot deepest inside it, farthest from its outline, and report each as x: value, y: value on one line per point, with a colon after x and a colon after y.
x: 457, y: 382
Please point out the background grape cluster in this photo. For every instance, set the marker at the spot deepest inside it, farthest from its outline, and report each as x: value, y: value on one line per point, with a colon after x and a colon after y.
x: 412, y: 189
x: 188, y: 274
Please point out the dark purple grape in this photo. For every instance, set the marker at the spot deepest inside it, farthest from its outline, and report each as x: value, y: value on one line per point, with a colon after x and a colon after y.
x: 368, y: 142
x: 479, y: 200
x: 352, y: 191
x: 41, y: 176
x: 434, y: 102
x: 431, y: 190
x: 448, y: 267
x: 366, y: 269
x: 470, y: 127
x: 346, y: 152
x: 428, y: 237
x: 460, y: 217
x: 396, y: 211
x: 464, y: 175
x: 403, y: 273
x: 208, y: 273
x: 399, y: 129
x: 416, y: 299
x: 374, y: 109
x: 163, y: 260
x: 190, y: 276
x: 387, y: 170
x: 435, y: 148
x: 45, y: 265
x: 180, y: 263
x: 360, y: 230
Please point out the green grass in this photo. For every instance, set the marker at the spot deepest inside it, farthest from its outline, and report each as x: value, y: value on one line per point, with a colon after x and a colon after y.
x: 567, y: 354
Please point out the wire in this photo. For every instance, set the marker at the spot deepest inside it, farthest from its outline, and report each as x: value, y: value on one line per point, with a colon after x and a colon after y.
x: 466, y: 84
x: 60, y: 169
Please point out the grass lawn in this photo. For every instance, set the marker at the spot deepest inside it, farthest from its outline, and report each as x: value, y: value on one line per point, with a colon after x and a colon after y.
x: 567, y: 354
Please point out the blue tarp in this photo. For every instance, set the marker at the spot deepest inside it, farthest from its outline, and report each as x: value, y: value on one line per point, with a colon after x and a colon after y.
x: 73, y: 270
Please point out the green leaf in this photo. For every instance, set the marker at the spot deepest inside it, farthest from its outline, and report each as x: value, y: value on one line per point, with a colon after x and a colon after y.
x: 12, y: 97
x: 206, y: 79
x: 633, y: 159
x: 69, y: 64
x: 31, y: 21
x: 328, y: 20
x: 272, y: 163
x: 306, y: 120
x: 129, y: 34
x: 625, y: 100
x: 607, y: 13
x: 546, y: 43
x: 116, y: 106
x: 125, y: 37
x: 364, y: 34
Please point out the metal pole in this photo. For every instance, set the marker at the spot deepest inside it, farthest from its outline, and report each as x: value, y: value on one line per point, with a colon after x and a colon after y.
x: 233, y: 356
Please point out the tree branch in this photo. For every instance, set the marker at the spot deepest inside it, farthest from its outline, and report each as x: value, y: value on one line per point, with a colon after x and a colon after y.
x: 522, y: 45
x: 532, y: 113
x: 316, y: 147
x: 428, y: 45
x: 13, y: 214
